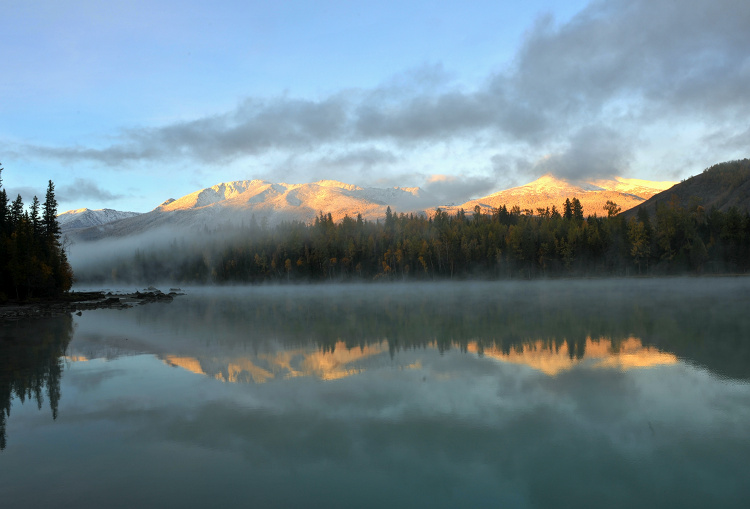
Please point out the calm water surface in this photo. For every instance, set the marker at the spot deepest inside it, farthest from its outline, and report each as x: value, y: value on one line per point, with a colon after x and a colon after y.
x: 534, y: 394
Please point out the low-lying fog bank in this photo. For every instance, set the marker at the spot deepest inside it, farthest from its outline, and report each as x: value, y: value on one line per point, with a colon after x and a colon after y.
x: 502, y: 245
x: 704, y: 320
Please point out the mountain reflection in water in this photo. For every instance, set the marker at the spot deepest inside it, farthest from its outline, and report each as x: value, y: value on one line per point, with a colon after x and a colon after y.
x: 340, y: 361
x: 534, y: 394
x: 258, y: 334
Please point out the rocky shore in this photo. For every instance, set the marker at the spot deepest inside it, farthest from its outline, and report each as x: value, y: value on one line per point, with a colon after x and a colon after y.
x: 77, y: 302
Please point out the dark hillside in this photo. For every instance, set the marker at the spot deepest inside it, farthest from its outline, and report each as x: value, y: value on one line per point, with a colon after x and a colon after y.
x: 722, y: 186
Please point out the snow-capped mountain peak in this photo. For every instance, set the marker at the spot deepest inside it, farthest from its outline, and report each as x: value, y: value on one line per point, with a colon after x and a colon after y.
x: 548, y: 191
x: 238, y: 202
x: 85, y: 218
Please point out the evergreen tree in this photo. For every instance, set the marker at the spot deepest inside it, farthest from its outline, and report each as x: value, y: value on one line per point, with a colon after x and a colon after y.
x: 567, y: 209
x: 577, y: 209
x: 49, y: 216
x: 4, y: 212
x: 34, y: 216
x: 16, y: 212
x: 32, y: 262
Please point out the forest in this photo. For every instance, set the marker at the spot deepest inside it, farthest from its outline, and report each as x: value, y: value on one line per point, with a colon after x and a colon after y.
x: 33, y: 263
x: 679, y: 238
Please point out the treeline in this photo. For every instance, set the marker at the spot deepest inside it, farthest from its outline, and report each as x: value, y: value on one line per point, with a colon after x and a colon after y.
x: 32, y: 260
x: 504, y: 244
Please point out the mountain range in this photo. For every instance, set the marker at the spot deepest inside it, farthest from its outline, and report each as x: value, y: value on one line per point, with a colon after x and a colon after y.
x: 549, y: 191
x: 241, y: 202
x: 86, y: 218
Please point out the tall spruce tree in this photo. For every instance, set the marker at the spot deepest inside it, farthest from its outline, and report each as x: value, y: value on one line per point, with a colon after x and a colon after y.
x: 49, y: 215
x: 4, y: 212
x: 567, y: 209
x: 16, y: 212
x: 35, y: 219
x: 577, y: 209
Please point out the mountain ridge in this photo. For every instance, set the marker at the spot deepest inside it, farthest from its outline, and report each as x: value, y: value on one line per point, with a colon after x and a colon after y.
x: 548, y: 191
x: 243, y: 201
x: 85, y: 218
x: 723, y: 186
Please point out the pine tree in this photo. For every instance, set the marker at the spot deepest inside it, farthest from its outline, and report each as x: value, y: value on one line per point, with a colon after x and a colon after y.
x: 16, y: 212
x: 34, y: 216
x: 4, y: 212
x: 577, y: 209
x: 49, y: 216
x: 567, y: 209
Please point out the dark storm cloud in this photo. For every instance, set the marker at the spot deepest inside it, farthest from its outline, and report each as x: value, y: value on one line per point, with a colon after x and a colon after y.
x: 129, y: 150
x: 621, y: 65
x: 420, y: 118
x: 254, y: 127
x: 81, y: 188
x: 593, y: 151
x: 27, y: 193
x: 681, y: 55
x: 365, y: 158
x: 731, y: 141
x: 508, y: 168
x: 451, y: 190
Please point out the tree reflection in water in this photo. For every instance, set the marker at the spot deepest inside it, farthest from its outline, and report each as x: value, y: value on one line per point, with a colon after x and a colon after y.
x: 703, y: 321
x: 31, y: 363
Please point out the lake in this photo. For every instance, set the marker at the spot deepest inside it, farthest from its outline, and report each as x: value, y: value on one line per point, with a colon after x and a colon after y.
x: 568, y: 393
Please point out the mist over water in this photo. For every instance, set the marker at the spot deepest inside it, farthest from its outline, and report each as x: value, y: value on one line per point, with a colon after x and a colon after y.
x: 591, y: 393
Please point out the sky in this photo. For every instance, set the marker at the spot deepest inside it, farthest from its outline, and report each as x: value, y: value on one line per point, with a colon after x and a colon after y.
x: 124, y: 104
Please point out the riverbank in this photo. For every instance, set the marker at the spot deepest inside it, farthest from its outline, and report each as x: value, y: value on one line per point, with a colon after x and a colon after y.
x: 77, y: 302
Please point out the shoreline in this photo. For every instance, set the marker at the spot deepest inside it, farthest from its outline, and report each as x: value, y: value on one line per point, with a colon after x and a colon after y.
x: 76, y: 302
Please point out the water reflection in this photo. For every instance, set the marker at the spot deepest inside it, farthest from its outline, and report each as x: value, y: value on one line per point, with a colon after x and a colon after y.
x: 340, y: 361
x: 563, y: 394
x: 261, y: 334
x: 31, y: 355
x: 596, y: 354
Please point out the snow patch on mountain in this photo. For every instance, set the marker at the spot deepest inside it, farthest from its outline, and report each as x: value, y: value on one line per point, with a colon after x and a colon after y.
x: 85, y: 218
x: 336, y: 183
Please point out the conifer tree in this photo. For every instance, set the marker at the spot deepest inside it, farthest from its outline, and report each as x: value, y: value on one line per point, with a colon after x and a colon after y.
x: 32, y: 261
x: 567, y: 209
x: 577, y: 209
x: 16, y: 211
x: 49, y: 215
x: 4, y: 212
x: 34, y: 216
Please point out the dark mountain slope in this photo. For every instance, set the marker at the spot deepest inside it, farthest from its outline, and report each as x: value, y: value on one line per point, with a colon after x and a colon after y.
x: 723, y: 186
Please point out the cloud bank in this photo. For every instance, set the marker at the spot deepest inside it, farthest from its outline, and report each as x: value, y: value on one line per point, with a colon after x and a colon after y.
x: 82, y: 188
x: 578, y: 100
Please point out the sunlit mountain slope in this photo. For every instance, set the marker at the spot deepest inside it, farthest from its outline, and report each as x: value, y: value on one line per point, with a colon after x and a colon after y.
x: 246, y: 201
x: 242, y: 202
x: 549, y: 191
x: 341, y: 362
x: 85, y: 218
